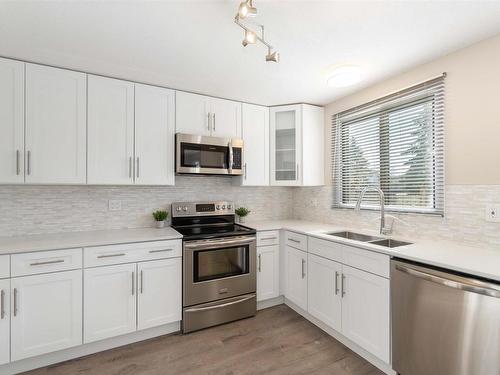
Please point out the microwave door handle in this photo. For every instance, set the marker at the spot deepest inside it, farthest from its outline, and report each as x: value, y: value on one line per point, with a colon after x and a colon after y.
x: 231, y: 157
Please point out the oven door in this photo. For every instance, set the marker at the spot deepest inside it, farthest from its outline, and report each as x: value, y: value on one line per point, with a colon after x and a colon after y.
x: 218, y: 268
x: 208, y: 155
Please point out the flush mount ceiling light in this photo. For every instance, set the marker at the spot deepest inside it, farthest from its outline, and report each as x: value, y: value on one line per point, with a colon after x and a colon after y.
x: 344, y: 75
x: 246, y: 9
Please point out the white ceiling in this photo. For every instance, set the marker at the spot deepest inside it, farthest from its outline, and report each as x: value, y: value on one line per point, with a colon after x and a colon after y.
x: 195, y: 45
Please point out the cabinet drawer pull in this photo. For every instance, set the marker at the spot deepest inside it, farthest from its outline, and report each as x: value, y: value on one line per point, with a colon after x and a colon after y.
x: 268, y: 238
x: 47, y: 262
x: 28, y: 162
x: 336, y: 283
x: 2, y: 304
x: 208, y: 121
x: 260, y: 262
x: 213, y: 117
x: 293, y: 240
x: 303, y: 268
x: 142, y: 281
x: 133, y: 283
x: 15, y: 301
x: 159, y: 251
x: 343, y: 285
x: 110, y: 255
x: 18, y: 164
x: 137, y: 171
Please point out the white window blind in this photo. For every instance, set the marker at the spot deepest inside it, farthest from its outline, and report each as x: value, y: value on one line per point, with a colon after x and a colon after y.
x: 395, y: 143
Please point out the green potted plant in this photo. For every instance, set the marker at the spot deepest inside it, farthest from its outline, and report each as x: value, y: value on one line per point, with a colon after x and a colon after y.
x: 160, y: 217
x: 242, y: 212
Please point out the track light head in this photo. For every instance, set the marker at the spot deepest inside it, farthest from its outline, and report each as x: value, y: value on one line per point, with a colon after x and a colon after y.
x: 274, y: 56
x: 250, y: 38
x: 246, y: 9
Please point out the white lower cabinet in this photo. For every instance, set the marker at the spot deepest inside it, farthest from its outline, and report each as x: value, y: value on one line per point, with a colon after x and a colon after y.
x: 159, y: 298
x: 324, y: 291
x: 267, y: 272
x: 365, y: 311
x: 4, y: 321
x: 46, y: 313
x: 110, y: 307
x: 296, y: 276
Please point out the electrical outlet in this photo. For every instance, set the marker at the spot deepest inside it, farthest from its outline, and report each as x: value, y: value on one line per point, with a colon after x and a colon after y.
x: 492, y: 213
x: 114, y: 205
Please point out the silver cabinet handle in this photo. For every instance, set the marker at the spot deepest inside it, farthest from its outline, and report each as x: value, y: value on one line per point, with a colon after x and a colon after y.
x: 28, y: 162
x: 303, y: 268
x: 293, y: 240
x: 18, y: 162
x: 2, y: 304
x: 260, y: 262
x: 213, y: 118
x: 47, y: 262
x: 15, y: 301
x: 245, y: 171
x: 142, y: 281
x: 130, y: 167
x: 208, y: 121
x: 159, y: 251
x: 133, y: 283
x: 196, y: 309
x: 268, y: 238
x: 297, y: 171
x: 137, y: 171
x: 336, y: 283
x: 342, y: 285
x: 110, y: 255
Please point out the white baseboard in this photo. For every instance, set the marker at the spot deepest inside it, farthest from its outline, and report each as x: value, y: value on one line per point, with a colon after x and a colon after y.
x: 86, y: 349
x: 385, y: 367
x: 270, y: 302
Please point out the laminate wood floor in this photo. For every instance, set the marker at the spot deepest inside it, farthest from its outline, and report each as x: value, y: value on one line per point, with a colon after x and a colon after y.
x: 277, y: 341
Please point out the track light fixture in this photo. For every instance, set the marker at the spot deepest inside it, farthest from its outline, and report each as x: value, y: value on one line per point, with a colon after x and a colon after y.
x: 246, y: 9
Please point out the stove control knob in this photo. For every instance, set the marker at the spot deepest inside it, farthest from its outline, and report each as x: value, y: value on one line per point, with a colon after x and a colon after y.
x: 178, y: 209
x: 228, y: 206
x: 184, y: 208
x: 223, y: 206
x: 217, y: 207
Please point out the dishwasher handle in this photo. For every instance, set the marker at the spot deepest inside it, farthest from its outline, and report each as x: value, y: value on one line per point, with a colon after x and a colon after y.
x: 452, y: 281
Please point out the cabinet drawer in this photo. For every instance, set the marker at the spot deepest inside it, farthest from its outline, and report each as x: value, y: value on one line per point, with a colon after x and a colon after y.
x: 131, y: 252
x: 4, y: 266
x: 268, y: 237
x: 367, y: 260
x: 45, y: 261
x: 326, y: 249
x: 296, y: 240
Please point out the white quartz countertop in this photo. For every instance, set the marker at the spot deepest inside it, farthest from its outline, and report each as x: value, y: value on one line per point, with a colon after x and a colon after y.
x: 67, y: 240
x: 478, y: 261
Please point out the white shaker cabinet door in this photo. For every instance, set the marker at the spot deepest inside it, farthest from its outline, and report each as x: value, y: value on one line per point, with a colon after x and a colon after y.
x: 110, y: 131
x: 56, y: 123
x: 154, y: 135
x: 4, y: 321
x: 267, y: 272
x: 46, y: 313
x: 192, y: 113
x: 226, y: 118
x: 160, y: 292
x: 11, y: 121
x: 365, y: 311
x: 325, y: 295
x: 296, y: 276
x: 110, y: 301
x: 255, y: 125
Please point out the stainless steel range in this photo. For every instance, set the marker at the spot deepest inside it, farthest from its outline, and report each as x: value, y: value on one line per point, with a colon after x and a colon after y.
x: 219, y: 264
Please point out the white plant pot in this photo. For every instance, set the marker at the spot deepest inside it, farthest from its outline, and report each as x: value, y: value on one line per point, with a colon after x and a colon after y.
x: 241, y: 219
x: 160, y: 224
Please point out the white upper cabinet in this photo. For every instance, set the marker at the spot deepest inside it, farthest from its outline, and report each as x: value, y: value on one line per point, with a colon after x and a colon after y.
x: 46, y: 313
x: 154, y: 135
x: 159, y: 298
x: 4, y: 321
x: 325, y: 294
x: 56, y: 101
x: 11, y: 121
x: 110, y: 131
x: 204, y: 115
x: 226, y: 118
x: 192, y: 114
x: 297, y: 150
x: 255, y: 134
x: 365, y: 311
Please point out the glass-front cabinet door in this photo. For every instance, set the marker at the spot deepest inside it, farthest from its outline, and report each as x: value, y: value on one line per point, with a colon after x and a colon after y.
x: 285, y: 145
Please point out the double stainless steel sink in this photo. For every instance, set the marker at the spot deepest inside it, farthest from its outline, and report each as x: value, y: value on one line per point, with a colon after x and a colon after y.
x: 385, y: 242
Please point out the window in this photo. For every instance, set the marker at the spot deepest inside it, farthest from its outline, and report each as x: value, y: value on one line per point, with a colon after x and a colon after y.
x: 395, y: 143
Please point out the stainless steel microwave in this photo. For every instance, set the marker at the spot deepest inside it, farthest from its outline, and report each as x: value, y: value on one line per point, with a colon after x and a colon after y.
x: 197, y: 154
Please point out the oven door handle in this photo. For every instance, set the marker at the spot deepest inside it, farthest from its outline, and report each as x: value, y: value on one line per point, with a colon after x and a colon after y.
x: 197, y: 309
x: 210, y: 244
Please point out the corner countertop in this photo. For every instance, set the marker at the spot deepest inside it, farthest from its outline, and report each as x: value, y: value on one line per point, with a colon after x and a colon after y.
x: 68, y: 240
x: 477, y: 261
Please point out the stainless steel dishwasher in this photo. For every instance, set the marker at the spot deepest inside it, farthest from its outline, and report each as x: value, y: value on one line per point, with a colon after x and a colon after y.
x: 443, y: 323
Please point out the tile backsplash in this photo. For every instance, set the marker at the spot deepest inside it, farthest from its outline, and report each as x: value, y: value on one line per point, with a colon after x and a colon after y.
x: 464, y: 219
x: 28, y: 209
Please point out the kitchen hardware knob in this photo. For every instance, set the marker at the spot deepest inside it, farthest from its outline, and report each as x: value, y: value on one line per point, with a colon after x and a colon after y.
x: 178, y: 209
x: 217, y: 207
x: 184, y: 208
x: 229, y: 206
x: 223, y: 206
